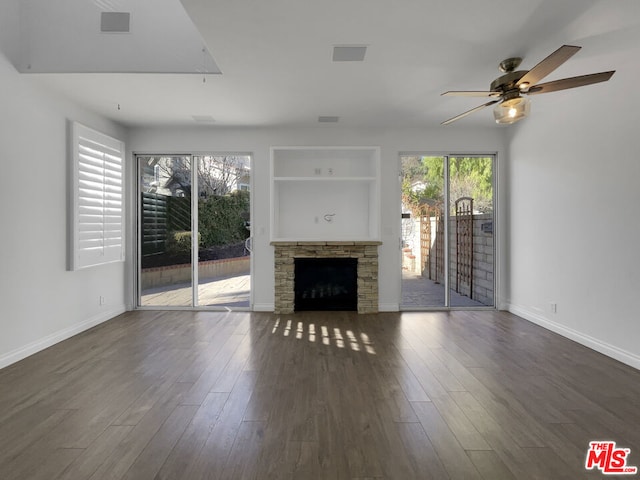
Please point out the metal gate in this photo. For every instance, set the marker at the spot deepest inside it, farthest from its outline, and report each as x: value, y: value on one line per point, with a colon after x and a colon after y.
x: 464, y: 246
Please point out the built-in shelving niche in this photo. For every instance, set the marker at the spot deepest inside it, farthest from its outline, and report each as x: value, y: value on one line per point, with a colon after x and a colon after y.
x: 325, y: 193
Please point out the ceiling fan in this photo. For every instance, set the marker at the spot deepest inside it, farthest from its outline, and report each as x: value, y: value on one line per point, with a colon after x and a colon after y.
x: 510, y: 90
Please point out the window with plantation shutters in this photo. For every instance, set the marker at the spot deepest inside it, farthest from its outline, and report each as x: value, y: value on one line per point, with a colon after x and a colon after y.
x: 97, y: 198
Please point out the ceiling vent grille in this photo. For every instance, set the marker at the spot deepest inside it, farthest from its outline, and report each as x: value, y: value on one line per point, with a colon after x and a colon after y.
x: 114, y: 22
x: 327, y: 119
x: 349, y: 53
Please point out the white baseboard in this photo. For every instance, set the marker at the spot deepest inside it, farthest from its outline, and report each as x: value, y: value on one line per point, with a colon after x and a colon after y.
x: 35, y: 347
x: 263, y: 307
x: 612, y: 351
x: 388, y: 307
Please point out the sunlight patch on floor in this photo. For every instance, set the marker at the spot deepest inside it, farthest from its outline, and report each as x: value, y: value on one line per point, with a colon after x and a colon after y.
x: 335, y: 336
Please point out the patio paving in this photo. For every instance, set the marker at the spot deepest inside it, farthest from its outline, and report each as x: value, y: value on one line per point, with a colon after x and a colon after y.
x: 418, y: 291
x: 233, y: 291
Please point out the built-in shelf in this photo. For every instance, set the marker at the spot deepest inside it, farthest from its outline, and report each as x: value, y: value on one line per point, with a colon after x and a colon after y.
x: 325, y: 193
x: 325, y: 179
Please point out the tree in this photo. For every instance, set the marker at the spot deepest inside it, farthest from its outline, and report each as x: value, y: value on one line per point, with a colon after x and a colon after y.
x: 217, y: 174
x: 472, y: 177
x: 220, y: 174
x: 423, y: 181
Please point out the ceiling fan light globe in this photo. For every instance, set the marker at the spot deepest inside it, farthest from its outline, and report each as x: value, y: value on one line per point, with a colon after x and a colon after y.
x: 512, y: 110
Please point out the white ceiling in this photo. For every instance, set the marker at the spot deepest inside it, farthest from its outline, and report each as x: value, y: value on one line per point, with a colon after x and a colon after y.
x: 64, y: 37
x: 276, y: 56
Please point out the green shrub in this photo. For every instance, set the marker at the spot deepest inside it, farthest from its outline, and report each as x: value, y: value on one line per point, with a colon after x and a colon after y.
x: 221, y: 219
x: 179, y: 242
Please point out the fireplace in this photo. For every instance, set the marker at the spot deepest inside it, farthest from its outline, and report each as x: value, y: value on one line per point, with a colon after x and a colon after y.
x: 365, y: 253
x: 325, y: 284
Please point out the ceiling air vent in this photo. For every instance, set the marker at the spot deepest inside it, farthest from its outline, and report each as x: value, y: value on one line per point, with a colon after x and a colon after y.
x: 349, y: 53
x: 114, y: 22
x: 328, y: 119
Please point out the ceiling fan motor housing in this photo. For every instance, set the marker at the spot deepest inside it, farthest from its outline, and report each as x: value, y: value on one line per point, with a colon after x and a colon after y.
x: 509, y: 64
x: 507, y: 82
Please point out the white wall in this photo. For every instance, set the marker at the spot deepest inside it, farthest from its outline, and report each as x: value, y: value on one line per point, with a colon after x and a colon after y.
x: 574, y: 229
x: 41, y: 302
x: 258, y: 141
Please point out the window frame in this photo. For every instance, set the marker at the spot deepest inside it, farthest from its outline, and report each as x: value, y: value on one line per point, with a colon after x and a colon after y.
x: 95, y: 241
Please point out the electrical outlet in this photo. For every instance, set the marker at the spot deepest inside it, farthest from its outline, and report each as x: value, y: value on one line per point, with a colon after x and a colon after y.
x: 103, y: 300
x: 554, y: 308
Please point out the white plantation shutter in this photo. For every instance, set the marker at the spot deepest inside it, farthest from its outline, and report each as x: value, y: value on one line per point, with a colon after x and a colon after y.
x: 97, y: 198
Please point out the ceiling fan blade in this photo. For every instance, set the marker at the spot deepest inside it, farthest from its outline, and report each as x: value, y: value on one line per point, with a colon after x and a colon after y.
x: 571, y: 82
x: 548, y: 65
x: 470, y: 93
x: 468, y: 112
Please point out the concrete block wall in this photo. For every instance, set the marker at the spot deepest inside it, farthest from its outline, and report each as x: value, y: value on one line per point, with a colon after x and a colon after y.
x: 483, y: 260
x: 483, y: 257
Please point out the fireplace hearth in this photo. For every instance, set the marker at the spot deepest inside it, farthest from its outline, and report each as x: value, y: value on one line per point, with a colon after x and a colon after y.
x: 325, y: 284
x: 365, y: 253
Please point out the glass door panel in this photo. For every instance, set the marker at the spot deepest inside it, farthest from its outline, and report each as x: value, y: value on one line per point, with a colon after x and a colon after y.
x: 165, y: 241
x: 471, y: 250
x: 224, y: 224
x: 423, y: 246
x: 447, y: 253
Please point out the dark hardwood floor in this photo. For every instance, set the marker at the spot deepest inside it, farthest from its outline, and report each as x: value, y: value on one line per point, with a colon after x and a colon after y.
x: 199, y: 395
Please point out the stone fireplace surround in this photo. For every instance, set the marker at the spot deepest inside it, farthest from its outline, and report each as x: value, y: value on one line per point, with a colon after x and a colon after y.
x: 365, y: 251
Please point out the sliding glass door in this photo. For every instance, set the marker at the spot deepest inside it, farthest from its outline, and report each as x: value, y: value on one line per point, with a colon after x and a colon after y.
x: 471, y: 222
x: 423, y: 253
x: 224, y: 227
x: 194, y: 231
x: 447, y: 231
x: 165, y: 253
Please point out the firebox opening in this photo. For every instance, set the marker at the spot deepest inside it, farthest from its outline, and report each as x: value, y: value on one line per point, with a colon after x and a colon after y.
x: 326, y: 284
